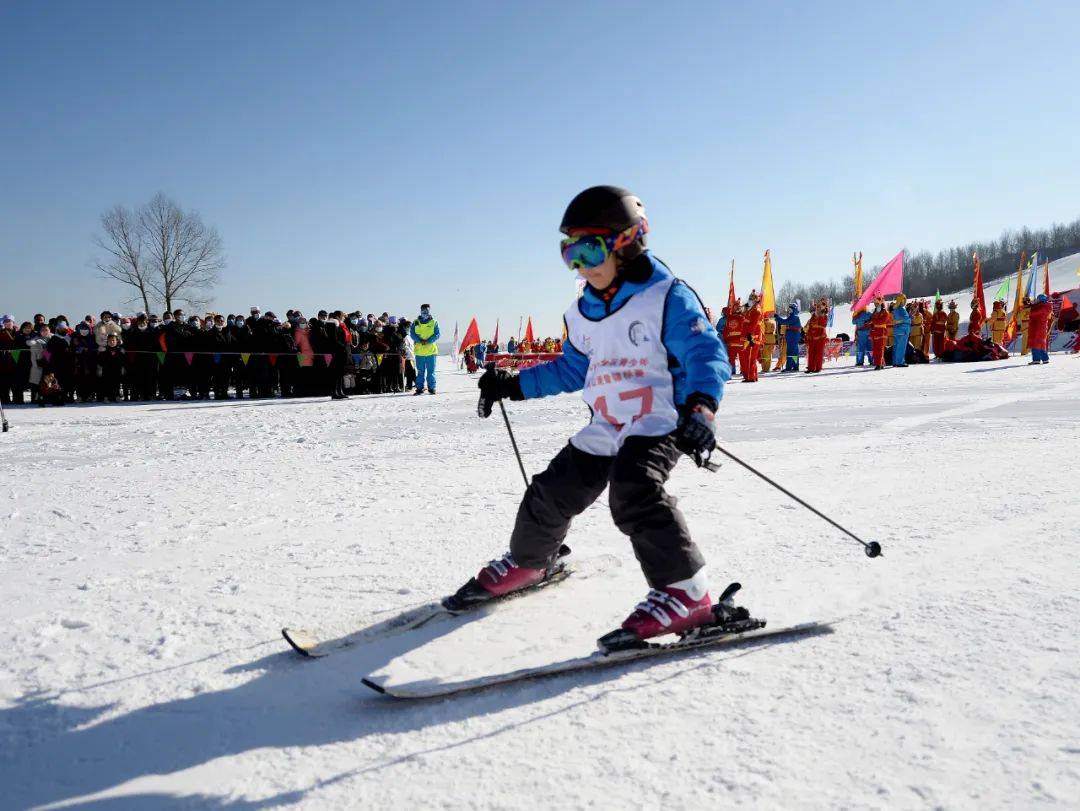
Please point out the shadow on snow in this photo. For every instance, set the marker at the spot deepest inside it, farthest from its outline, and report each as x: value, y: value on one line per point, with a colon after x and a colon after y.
x: 58, y: 753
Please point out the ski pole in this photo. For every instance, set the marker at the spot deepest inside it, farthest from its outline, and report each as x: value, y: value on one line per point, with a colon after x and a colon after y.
x: 506, y: 421
x: 513, y: 442
x: 872, y: 549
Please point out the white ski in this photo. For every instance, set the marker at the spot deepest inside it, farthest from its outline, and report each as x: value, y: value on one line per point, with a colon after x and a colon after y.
x: 433, y: 687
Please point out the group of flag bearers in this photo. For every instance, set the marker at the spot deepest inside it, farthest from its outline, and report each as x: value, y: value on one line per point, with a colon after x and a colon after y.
x: 892, y: 333
x: 889, y: 333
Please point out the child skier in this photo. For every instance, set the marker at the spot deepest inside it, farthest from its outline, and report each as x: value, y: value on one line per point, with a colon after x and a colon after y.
x: 652, y: 370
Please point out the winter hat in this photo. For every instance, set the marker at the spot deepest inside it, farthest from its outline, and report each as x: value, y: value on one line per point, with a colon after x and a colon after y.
x: 393, y: 320
x: 1042, y: 299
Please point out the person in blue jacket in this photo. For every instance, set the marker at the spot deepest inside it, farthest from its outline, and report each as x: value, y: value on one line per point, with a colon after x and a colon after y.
x: 652, y: 370
x: 791, y: 336
x: 480, y: 353
x: 863, y: 348
x: 425, y: 334
x: 901, y: 331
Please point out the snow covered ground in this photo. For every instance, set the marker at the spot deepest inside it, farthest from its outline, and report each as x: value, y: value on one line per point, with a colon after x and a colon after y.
x: 150, y: 553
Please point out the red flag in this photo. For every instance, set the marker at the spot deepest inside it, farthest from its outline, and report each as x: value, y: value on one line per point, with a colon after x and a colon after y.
x: 979, y: 294
x: 1046, y: 277
x: 529, y: 331
x: 731, y: 287
x: 472, y: 336
x: 495, y: 340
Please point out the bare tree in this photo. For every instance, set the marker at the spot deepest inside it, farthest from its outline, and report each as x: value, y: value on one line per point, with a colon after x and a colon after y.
x: 122, y: 241
x: 163, y: 252
x: 185, y: 255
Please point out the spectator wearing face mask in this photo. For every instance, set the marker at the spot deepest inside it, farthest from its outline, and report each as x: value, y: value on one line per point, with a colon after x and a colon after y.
x: 166, y: 372
x: 240, y: 335
x: 340, y: 348
x: 141, y: 366
x: 106, y: 327
x: 198, y: 368
x: 392, y: 368
x: 38, y: 363
x: 425, y: 333
x: 111, y: 362
x: 408, y: 350
x: 61, y: 360
x: 9, y: 341
x: 85, y: 349
x: 220, y: 341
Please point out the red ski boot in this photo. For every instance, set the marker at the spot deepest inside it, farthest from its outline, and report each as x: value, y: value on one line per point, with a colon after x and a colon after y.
x: 503, y: 577
x: 674, y: 609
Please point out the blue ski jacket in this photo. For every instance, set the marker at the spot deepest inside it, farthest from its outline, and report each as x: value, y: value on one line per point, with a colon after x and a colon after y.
x: 697, y: 357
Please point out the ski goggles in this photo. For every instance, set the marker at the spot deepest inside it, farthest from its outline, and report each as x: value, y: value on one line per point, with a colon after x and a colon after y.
x: 592, y: 250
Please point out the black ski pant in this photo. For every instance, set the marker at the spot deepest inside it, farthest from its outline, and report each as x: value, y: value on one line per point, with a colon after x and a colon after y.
x: 640, y: 506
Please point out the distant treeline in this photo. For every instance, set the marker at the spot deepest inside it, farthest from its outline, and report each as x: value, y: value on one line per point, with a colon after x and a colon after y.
x: 953, y: 269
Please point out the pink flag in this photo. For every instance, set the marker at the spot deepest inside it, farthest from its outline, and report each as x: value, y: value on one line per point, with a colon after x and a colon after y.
x: 890, y: 280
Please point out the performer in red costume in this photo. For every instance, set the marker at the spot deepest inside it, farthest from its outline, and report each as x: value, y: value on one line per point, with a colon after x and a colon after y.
x: 879, y: 329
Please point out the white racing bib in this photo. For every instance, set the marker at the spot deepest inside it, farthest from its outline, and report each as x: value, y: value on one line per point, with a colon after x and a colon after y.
x: 628, y: 385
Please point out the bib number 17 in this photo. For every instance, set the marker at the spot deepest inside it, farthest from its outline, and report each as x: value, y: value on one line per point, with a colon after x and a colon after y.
x: 644, y: 394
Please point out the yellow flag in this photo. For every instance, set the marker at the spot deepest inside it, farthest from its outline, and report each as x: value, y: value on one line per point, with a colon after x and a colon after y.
x: 1014, y: 316
x: 768, y: 297
x: 857, y: 260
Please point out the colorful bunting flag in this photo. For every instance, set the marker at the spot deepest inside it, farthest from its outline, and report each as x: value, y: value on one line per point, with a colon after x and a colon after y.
x: 328, y: 359
x: 160, y: 358
x: 245, y: 357
x: 272, y: 358
x: 189, y: 356
x: 217, y: 358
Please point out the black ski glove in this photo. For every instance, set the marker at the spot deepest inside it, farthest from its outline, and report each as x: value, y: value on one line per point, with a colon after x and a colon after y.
x: 495, y: 384
x: 696, y: 434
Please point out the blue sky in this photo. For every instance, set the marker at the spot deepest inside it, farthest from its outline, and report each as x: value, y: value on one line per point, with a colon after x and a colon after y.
x: 378, y: 155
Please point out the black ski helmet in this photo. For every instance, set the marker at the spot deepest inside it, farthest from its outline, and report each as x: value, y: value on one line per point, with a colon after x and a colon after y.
x: 608, y: 208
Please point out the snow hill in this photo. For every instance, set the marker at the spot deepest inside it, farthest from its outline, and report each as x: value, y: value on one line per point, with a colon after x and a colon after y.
x: 150, y: 553
x: 1062, y: 277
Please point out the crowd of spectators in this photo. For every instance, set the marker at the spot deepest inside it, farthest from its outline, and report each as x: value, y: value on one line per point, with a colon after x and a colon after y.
x: 177, y: 356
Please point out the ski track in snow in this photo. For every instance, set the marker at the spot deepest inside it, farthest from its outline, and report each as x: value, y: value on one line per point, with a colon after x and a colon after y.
x: 150, y: 553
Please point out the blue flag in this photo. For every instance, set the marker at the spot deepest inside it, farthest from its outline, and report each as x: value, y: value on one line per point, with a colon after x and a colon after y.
x: 1032, y: 288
